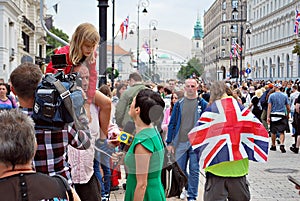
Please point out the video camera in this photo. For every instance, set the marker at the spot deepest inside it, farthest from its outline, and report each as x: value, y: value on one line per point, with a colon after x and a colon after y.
x: 59, y: 62
x: 49, y: 105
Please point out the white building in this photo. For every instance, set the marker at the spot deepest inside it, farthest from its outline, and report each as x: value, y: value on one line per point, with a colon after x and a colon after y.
x: 21, y: 35
x: 169, y: 51
x: 269, y: 47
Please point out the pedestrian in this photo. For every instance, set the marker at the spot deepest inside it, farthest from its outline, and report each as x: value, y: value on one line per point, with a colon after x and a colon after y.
x: 296, y: 124
x: 84, y: 177
x: 82, y: 49
x: 122, y: 108
x: 278, y: 115
x: 106, y: 150
x: 255, y: 106
x: 264, y: 104
x: 167, y: 114
x: 7, y: 101
x: 181, y: 122
x: 50, y: 157
x: 225, y: 138
x: 18, y: 180
x: 144, y: 159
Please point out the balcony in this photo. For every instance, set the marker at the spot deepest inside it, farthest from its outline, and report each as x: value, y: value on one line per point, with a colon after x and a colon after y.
x: 28, y: 26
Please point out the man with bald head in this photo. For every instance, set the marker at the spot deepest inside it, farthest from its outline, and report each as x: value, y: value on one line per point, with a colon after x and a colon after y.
x: 85, y: 181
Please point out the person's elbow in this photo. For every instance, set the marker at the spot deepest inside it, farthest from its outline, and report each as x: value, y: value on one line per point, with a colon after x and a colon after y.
x: 141, y: 184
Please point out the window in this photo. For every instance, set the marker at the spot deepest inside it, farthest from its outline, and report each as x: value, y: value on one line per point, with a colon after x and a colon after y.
x: 235, y: 3
x: 224, y: 17
x: 223, y: 41
x: 223, y: 53
x: 235, y: 16
x: 224, y: 5
x: 234, y: 28
x: 25, y: 38
x: 234, y: 40
x: 223, y: 29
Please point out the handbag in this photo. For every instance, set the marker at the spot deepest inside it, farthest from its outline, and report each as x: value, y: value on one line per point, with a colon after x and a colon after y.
x: 172, y: 177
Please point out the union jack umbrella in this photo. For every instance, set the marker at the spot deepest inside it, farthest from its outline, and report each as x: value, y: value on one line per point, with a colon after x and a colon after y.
x: 227, y: 131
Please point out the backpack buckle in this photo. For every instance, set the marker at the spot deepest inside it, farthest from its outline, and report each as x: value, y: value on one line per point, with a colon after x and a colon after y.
x: 65, y: 94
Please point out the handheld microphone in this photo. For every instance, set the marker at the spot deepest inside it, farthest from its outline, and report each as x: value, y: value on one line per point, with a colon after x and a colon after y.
x: 125, y: 140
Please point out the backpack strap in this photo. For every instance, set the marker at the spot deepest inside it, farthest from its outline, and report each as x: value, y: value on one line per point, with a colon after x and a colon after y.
x: 64, y: 183
x: 65, y: 95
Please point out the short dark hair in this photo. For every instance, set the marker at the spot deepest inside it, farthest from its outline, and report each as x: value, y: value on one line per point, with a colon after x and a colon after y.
x: 135, y: 76
x: 17, y: 139
x: 151, y: 106
x: 25, y: 79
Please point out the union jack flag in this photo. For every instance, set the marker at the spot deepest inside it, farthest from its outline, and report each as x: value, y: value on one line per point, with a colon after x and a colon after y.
x: 147, y: 48
x: 227, y: 131
x: 297, y: 20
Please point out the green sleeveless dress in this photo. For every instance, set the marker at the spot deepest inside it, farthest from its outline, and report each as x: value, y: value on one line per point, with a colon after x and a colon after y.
x: 151, y: 140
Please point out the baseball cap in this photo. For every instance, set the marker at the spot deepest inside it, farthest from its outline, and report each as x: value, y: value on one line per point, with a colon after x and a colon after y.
x: 277, y: 85
x: 270, y: 86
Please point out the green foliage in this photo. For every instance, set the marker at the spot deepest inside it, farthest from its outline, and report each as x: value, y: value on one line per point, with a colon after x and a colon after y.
x: 296, y: 49
x: 54, y: 43
x: 109, y: 70
x: 193, y: 67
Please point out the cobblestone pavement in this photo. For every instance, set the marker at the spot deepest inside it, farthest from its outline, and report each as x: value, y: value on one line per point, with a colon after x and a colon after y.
x: 268, y: 181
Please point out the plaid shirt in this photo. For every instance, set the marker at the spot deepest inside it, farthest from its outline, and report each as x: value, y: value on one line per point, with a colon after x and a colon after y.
x: 51, y: 153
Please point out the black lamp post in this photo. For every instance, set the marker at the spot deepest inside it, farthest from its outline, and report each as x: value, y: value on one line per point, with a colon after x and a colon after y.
x: 103, y: 4
x: 153, y: 23
x: 235, y: 12
x: 145, y: 4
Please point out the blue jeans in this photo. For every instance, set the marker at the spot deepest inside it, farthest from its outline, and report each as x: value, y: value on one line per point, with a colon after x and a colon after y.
x: 105, y: 165
x: 183, y: 154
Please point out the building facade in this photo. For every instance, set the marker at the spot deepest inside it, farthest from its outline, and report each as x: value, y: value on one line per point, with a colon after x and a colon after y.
x: 222, y: 29
x: 269, y: 47
x: 22, y: 37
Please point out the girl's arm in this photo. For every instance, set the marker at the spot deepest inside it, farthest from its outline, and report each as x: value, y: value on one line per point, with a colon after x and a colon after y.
x: 92, y: 82
x: 142, y: 161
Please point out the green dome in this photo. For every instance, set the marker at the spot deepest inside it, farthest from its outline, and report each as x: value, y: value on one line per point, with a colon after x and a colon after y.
x: 164, y: 56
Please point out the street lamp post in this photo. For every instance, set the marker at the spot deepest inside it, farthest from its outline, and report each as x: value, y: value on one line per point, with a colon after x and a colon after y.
x: 153, y: 23
x: 144, y: 3
x: 215, y: 47
x: 242, y: 20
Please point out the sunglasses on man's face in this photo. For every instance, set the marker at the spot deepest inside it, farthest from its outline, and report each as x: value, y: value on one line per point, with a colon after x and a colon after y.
x: 190, y: 86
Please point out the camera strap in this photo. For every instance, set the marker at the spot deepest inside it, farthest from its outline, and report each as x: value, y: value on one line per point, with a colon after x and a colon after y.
x: 65, y: 95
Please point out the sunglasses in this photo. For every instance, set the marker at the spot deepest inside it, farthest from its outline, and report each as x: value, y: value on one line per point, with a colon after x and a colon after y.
x: 190, y: 86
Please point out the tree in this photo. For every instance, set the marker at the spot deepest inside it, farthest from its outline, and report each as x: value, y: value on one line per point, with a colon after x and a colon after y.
x: 296, y: 49
x: 52, y: 43
x: 193, y: 68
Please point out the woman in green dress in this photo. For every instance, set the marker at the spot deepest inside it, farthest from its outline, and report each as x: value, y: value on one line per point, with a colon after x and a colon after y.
x: 144, y: 159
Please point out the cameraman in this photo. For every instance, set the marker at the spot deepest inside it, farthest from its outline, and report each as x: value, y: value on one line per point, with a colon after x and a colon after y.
x: 50, y: 157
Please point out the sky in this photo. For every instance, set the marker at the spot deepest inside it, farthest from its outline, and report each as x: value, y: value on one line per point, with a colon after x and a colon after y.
x: 173, y: 15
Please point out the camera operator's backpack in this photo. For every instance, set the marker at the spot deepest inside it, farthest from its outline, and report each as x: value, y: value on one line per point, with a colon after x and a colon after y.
x: 58, y: 101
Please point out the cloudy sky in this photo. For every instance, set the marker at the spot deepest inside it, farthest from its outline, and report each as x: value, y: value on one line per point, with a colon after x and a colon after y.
x: 173, y: 15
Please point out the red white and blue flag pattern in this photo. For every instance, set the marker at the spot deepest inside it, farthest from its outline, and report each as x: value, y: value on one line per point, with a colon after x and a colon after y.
x: 227, y: 131
x: 297, y: 21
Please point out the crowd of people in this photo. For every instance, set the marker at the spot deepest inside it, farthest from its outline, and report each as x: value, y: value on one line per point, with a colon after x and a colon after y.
x: 87, y: 163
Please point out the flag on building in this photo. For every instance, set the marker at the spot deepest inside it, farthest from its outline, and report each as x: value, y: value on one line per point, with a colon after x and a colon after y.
x: 146, y: 47
x: 124, y: 27
x: 227, y: 131
x: 235, y: 51
x: 297, y: 21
